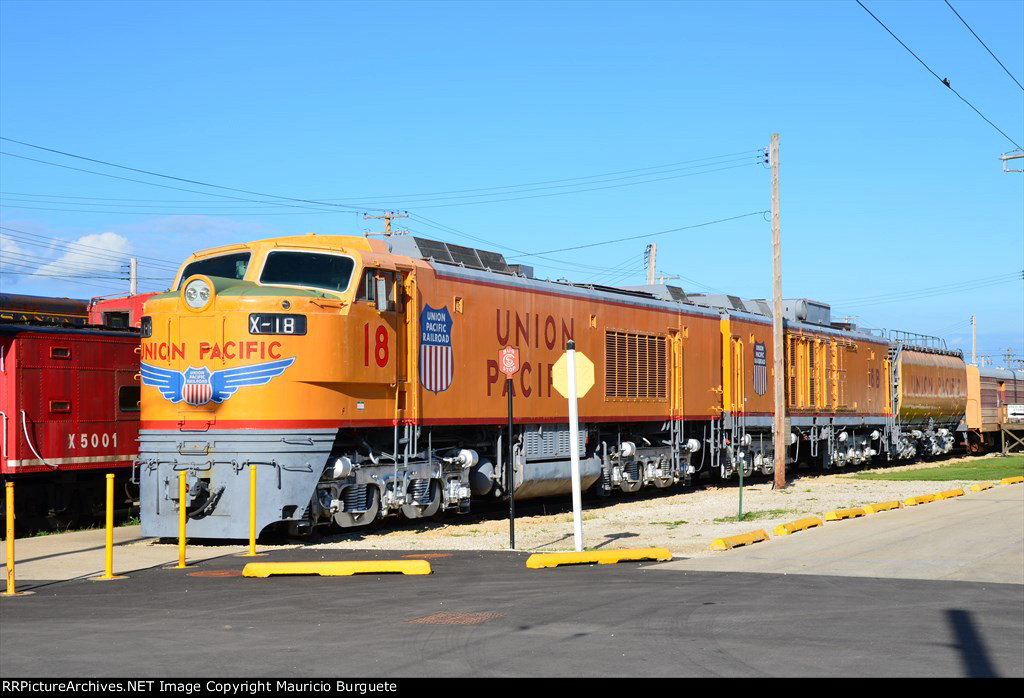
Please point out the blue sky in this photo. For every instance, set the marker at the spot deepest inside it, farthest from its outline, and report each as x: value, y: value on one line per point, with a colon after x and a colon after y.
x: 558, y: 124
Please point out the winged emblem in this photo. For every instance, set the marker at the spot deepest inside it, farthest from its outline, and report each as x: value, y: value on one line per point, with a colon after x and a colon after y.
x: 198, y: 386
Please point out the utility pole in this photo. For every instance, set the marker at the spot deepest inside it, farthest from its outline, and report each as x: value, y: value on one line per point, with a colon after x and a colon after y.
x: 781, y: 438
x: 650, y: 257
x: 133, y: 284
x: 974, y: 340
x: 1006, y: 157
x: 388, y: 215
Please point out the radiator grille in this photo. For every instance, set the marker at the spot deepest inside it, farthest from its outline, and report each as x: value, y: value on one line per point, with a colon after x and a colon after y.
x: 550, y: 441
x: 635, y: 366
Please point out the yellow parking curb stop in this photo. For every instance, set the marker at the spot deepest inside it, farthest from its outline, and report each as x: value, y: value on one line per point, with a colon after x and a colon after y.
x: 982, y: 486
x: 798, y: 525
x: 923, y: 499
x: 1012, y: 480
x: 337, y: 569
x: 949, y: 494
x: 737, y: 541
x: 883, y: 506
x: 844, y: 514
x: 602, y: 557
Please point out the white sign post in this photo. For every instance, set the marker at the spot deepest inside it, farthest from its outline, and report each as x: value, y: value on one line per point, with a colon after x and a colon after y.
x: 574, y: 448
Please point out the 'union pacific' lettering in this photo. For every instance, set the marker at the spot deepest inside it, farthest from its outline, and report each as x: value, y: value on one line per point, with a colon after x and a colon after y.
x: 943, y: 387
x: 530, y: 382
x: 169, y: 351
x: 520, y: 332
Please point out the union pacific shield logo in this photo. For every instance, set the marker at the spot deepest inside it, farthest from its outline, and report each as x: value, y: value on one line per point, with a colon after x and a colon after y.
x: 198, y: 386
x: 437, y: 364
x: 760, y: 368
x: 197, y: 389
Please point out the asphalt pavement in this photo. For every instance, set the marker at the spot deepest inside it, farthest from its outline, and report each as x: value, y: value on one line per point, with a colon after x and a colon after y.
x: 930, y: 591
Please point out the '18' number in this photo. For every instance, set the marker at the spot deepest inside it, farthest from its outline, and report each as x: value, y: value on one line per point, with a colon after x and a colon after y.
x: 380, y: 349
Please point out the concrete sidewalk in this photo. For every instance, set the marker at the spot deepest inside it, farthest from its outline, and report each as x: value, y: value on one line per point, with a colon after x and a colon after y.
x: 81, y: 554
x: 974, y: 538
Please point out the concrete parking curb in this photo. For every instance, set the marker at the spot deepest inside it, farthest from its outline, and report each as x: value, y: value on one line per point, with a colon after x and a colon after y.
x: 839, y: 514
x: 883, y: 506
x: 336, y: 568
x: 978, y: 487
x: 920, y: 499
x: 600, y: 557
x: 1012, y: 480
x: 949, y: 494
x: 737, y: 541
x: 798, y: 525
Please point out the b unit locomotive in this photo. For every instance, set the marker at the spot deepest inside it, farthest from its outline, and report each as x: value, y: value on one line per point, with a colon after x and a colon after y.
x: 360, y: 378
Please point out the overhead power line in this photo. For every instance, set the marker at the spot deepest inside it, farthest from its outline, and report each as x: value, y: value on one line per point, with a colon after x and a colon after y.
x: 944, y: 81
x: 588, y: 189
x: 985, y: 45
x: 1010, y: 276
x: 927, y: 293
x: 165, y: 186
x: 645, y: 235
x: 171, y: 177
x: 161, y: 213
x: 81, y: 246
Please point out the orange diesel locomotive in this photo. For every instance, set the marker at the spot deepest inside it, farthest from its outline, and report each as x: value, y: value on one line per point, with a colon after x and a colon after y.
x: 360, y: 379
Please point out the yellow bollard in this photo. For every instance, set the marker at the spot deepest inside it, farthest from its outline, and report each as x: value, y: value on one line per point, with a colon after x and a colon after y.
x: 252, y: 514
x: 10, y: 539
x: 182, y: 492
x: 109, y: 573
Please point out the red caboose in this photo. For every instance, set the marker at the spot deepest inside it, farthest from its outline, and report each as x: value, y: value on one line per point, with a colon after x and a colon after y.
x: 69, y: 406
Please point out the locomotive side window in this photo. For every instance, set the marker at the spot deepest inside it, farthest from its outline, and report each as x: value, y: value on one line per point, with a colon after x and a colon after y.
x: 228, y: 266
x: 128, y: 397
x: 326, y: 271
x: 117, y: 320
x: 368, y: 288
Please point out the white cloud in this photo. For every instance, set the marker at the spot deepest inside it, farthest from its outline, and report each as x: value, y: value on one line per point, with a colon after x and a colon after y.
x: 11, y: 261
x: 99, y: 253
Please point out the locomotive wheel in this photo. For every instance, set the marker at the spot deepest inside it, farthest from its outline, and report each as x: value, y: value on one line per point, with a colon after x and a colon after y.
x: 628, y: 486
x: 416, y: 511
x: 345, y: 519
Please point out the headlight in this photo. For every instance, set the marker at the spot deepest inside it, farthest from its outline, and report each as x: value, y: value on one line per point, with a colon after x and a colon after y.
x: 197, y: 293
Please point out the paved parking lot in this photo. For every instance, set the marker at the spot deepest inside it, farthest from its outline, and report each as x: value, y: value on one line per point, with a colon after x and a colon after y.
x: 485, y: 614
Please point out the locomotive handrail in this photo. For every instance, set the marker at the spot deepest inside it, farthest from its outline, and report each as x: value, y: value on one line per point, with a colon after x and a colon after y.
x: 28, y: 440
x: 278, y: 467
x: 179, y: 467
x: 4, y: 415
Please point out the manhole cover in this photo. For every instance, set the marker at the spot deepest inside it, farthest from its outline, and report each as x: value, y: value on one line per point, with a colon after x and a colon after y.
x: 426, y: 555
x: 453, y: 618
x: 216, y: 573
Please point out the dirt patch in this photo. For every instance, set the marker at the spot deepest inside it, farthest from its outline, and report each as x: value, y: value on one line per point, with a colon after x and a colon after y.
x: 683, y: 520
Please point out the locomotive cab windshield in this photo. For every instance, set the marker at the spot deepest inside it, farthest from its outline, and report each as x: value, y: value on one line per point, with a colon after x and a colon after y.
x: 322, y: 270
x: 228, y: 266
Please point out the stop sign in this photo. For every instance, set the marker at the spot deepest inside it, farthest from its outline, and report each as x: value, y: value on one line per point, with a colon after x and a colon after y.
x: 508, y: 361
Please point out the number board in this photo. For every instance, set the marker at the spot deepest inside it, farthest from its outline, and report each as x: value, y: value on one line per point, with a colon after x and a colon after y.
x: 276, y: 323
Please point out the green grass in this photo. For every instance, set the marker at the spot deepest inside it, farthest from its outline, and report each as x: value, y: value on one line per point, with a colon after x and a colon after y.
x: 671, y: 524
x: 757, y: 515
x: 981, y: 469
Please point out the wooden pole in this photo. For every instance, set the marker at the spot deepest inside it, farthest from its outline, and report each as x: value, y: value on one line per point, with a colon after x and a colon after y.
x: 781, y: 438
x: 974, y: 340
